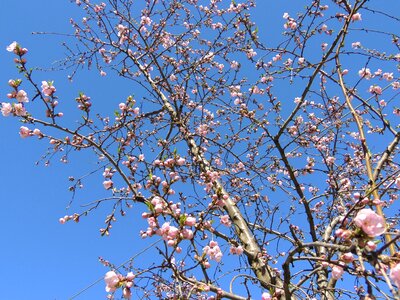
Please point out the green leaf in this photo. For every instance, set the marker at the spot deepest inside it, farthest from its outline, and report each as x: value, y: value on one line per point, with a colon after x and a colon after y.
x: 182, y: 220
x: 150, y: 206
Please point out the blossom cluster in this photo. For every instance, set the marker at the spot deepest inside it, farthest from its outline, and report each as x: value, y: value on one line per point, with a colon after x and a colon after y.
x: 114, y: 281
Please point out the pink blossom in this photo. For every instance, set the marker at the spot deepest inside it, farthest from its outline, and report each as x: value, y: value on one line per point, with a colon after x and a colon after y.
x: 234, y: 64
x: 172, y: 77
x: 290, y: 24
x: 213, y: 251
x: 112, y: 281
x: 158, y: 203
x: 187, y: 234
x: 122, y: 106
x: 356, y: 17
x: 6, y: 109
x: 285, y: 15
x: 225, y: 220
x: 344, y: 234
x: 378, y: 72
x: 190, y: 221
x: 14, y: 83
x: 330, y: 160
x: 209, y: 56
x: 98, y: 8
x: 397, y: 182
x: 277, y: 57
x: 324, y: 264
x: 375, y: 89
x: 370, y: 222
x: 266, y: 296
x: 144, y: 20
x: 48, y: 88
x: 337, y: 272
x: 108, y: 173
x: 395, y: 274
x: 236, y: 250
x: 388, y: 76
x: 108, y: 184
x: 251, y: 53
x: 168, y: 233
x: 12, y: 47
x: 365, y: 73
x: 180, y: 161
x: 19, y: 110
x: 22, y: 96
x: 24, y: 132
x: 356, y: 45
x: 239, y: 250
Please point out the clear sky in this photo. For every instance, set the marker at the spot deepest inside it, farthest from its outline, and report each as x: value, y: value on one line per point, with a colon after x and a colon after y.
x: 42, y: 259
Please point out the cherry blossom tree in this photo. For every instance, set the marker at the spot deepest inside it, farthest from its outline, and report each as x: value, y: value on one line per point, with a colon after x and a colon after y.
x: 240, y: 191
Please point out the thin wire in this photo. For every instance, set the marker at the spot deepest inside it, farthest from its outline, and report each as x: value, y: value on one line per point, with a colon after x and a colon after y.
x: 101, y: 278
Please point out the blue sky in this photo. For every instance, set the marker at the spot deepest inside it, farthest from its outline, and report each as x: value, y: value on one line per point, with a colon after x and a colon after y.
x: 41, y: 258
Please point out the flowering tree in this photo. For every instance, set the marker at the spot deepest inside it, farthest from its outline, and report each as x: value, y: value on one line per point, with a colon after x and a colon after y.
x: 244, y: 193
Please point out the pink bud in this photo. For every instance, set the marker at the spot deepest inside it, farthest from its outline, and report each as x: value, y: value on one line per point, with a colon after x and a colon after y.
x: 266, y: 296
x: 339, y: 232
x: 126, y: 293
x: 213, y: 244
x: 180, y: 161
x: 130, y: 276
x: 337, y: 272
x: 108, y: 184
x: 356, y: 17
x: 190, y: 221
x: 371, y: 246
x: 347, y: 257
x: 36, y: 132
x: 122, y: 106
